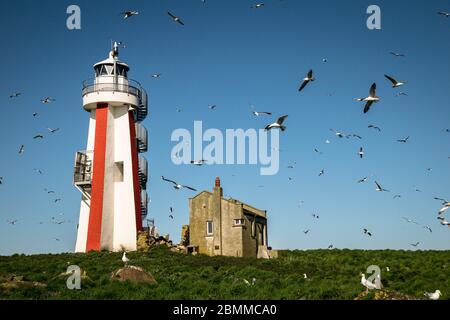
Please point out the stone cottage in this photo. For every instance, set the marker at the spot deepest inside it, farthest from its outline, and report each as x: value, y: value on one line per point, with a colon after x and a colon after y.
x: 219, y: 226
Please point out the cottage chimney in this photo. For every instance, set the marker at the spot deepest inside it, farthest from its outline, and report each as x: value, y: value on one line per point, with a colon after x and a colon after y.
x: 218, y: 189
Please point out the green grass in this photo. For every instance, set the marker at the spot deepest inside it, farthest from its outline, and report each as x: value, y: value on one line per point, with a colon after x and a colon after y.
x: 333, y: 274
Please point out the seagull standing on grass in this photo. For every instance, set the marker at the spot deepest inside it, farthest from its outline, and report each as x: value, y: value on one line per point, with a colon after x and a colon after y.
x: 433, y: 296
x: 277, y: 125
x: 366, y: 283
x: 125, y: 260
x: 372, y: 98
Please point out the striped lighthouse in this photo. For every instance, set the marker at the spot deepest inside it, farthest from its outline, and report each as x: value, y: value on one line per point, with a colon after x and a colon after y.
x: 111, y: 174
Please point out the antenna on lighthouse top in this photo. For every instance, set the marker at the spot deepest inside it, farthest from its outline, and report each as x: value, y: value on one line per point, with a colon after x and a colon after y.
x: 115, y: 48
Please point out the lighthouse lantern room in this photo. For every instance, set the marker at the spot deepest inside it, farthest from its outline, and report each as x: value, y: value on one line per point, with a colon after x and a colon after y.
x: 111, y: 174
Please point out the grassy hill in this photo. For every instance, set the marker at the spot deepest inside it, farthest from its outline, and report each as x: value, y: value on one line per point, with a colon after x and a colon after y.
x: 332, y: 274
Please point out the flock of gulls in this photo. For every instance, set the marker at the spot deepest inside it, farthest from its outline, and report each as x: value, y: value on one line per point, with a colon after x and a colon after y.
x: 308, y: 80
x: 57, y: 220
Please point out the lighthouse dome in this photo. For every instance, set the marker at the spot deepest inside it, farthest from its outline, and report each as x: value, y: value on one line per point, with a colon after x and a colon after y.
x: 106, y: 67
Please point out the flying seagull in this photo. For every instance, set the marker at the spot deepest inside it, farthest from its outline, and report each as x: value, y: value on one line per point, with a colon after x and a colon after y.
x: 1, y: 180
x: 405, y: 140
x: 305, y: 231
x: 38, y: 171
x: 370, y: 99
x: 435, y: 295
x: 379, y: 188
x: 198, y: 162
x: 278, y: 124
x: 397, y: 54
x: 21, y: 149
x: 330, y: 246
x: 47, y: 100
x: 128, y: 14
x: 12, y: 222
x: 175, y: 18
x: 156, y: 75
x: 171, y: 213
x: 338, y: 133
x: 322, y: 172
x: 445, y: 14
x: 177, y: 185
x: 409, y: 220
x: 35, y: 114
x: 53, y: 130
x: 367, y: 232
x: 428, y: 228
x: 14, y: 95
x: 396, y: 196
x: 38, y: 136
x: 309, y: 77
x: 315, y: 216
x: 445, y: 207
x: 317, y: 151
x: 361, y: 152
x: 212, y: 107
x: 363, y: 180
x: 415, y: 244
x: 395, y: 83
x: 257, y: 6
x: 57, y: 200
x: 261, y: 113
x: 400, y: 94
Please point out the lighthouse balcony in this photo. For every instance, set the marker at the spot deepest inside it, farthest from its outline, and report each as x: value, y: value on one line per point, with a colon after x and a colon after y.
x: 143, y: 172
x: 82, y: 175
x: 109, y: 89
x: 144, y: 203
x: 141, y: 137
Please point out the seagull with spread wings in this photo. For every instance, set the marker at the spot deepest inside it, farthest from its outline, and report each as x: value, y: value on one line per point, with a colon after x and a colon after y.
x: 175, y: 18
x: 396, y: 54
x: 309, y: 77
x: 372, y: 98
x: 177, y: 185
x: 278, y: 124
x: 395, y: 83
x: 379, y: 188
x: 128, y: 14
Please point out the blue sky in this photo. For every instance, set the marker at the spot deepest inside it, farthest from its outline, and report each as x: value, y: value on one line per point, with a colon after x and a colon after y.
x: 233, y: 56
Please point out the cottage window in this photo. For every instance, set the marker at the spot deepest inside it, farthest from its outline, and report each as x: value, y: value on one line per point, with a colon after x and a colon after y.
x: 209, y: 228
x: 239, y: 222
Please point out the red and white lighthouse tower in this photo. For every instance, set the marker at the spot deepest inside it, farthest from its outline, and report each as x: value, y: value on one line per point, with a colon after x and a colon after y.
x: 110, y: 173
